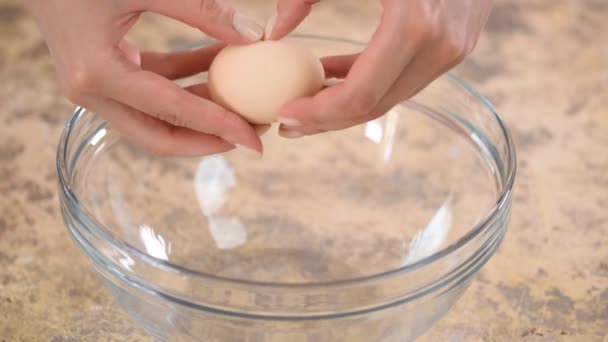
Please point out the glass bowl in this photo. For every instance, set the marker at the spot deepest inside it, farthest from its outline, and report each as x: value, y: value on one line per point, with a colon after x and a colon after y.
x: 366, y: 234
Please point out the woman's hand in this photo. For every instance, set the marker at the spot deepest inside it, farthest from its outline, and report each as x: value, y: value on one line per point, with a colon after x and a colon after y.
x: 133, y: 91
x: 416, y: 42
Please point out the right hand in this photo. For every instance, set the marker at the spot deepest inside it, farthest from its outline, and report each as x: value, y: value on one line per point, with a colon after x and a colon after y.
x: 133, y: 91
x: 416, y: 42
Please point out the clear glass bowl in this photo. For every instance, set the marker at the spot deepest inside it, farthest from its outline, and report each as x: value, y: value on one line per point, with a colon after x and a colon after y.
x: 367, y: 234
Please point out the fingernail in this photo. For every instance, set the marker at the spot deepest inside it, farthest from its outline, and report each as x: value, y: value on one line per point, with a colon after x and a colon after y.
x: 247, y: 27
x: 290, y: 134
x: 249, y: 151
x: 289, y: 122
x: 330, y: 82
x: 270, y: 26
x: 261, y: 130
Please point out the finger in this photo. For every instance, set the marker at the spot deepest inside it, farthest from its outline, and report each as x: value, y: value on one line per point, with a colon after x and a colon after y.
x: 369, y: 78
x: 338, y: 66
x: 155, y: 95
x: 180, y: 64
x: 289, y: 15
x: 424, y: 68
x: 296, y: 132
x: 202, y: 90
x: 289, y: 133
x: 216, y: 18
x: 422, y: 71
x: 155, y: 135
x: 335, y: 67
x: 262, y: 129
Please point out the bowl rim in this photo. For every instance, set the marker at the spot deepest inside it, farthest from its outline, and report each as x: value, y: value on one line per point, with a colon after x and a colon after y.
x: 502, y: 201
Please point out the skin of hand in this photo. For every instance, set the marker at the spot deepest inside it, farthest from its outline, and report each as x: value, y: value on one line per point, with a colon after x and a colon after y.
x: 99, y: 70
x: 415, y: 42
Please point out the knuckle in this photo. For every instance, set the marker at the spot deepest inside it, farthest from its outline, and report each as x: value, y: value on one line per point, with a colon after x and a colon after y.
x: 428, y: 24
x: 421, y: 33
x: 171, y: 118
x: 427, y: 32
x: 78, y: 81
x: 214, y: 9
x: 456, y: 48
x: 209, y: 5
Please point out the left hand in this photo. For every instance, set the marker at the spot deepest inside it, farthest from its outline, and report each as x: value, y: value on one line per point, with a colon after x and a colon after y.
x: 99, y: 70
x: 416, y: 42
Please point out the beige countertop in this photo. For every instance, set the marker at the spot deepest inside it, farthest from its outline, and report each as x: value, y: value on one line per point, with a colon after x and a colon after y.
x: 543, y: 63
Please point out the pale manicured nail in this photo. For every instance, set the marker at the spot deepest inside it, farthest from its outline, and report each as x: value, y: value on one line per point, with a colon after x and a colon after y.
x: 270, y: 26
x: 290, y: 134
x: 249, y: 151
x: 247, y: 27
x: 289, y: 122
x: 330, y: 82
x: 261, y: 130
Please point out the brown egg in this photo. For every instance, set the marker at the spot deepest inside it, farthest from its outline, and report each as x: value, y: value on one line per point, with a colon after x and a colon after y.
x: 256, y: 80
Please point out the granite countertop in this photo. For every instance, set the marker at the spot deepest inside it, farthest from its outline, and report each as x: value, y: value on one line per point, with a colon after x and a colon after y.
x: 543, y: 63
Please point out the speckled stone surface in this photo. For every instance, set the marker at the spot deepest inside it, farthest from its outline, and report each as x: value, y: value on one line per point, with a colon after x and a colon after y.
x: 543, y: 63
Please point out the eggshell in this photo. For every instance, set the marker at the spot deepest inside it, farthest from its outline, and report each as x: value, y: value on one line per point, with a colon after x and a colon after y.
x: 256, y: 80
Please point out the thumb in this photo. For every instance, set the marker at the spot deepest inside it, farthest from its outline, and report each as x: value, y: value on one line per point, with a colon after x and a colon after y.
x: 289, y: 15
x: 217, y: 18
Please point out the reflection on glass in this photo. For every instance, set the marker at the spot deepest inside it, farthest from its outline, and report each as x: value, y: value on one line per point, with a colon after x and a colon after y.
x: 227, y: 232
x: 126, y: 261
x: 373, y: 130
x: 382, y: 131
x: 120, y: 209
x: 155, y: 244
x: 392, y: 119
x: 98, y: 136
x: 213, y: 178
x: 123, y: 258
x: 429, y: 239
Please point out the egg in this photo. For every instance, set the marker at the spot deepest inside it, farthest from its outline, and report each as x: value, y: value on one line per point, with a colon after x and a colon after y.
x: 256, y: 80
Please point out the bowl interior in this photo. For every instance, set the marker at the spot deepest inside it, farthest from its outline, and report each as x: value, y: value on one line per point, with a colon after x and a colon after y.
x: 330, y: 207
